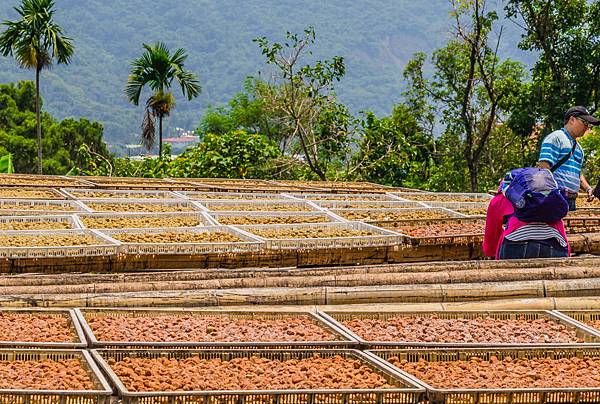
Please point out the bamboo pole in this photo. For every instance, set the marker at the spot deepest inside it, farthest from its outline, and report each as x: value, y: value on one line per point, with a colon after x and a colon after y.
x: 345, y: 280
x: 455, y: 269
x: 314, y: 295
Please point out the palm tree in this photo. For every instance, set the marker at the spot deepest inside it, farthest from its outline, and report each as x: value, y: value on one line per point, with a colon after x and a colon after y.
x: 157, y: 68
x: 36, y: 40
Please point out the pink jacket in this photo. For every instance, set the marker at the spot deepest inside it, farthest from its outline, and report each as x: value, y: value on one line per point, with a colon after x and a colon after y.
x: 499, y: 207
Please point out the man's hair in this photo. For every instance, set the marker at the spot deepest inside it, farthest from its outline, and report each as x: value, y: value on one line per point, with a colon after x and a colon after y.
x: 567, y: 119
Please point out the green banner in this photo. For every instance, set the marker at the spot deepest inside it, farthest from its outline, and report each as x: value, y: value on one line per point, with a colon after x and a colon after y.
x: 6, y: 164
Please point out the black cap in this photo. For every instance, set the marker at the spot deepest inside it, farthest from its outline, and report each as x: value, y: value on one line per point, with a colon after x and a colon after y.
x: 583, y: 113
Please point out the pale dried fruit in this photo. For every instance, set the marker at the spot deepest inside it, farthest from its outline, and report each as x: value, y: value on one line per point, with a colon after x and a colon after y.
x: 250, y: 207
x: 48, y: 240
x: 395, y: 215
x: 233, y: 196
x: 442, y: 229
x: 34, y: 225
x: 9, y: 193
x: 125, y: 222
x: 175, y: 237
x: 431, y: 197
x: 345, y: 197
x: 288, y: 233
x: 10, y: 180
x: 272, y: 219
x: 138, y: 207
x: 101, y: 194
x: 471, y: 211
x: 21, y: 206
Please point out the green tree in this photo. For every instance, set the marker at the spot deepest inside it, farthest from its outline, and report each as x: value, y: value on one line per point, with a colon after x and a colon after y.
x: 61, y: 141
x: 35, y: 40
x: 394, y: 150
x: 157, y: 69
x: 314, y: 123
x: 236, y: 154
x: 566, y: 35
x: 591, y: 145
x: 472, y: 87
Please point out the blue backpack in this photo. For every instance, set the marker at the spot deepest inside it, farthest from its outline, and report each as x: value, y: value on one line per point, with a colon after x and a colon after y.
x: 535, y: 195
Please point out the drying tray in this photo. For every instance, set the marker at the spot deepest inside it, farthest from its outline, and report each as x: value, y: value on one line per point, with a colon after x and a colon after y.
x: 28, y: 205
x: 146, y: 195
x: 100, y: 395
x: 407, y: 392
x: 249, y: 243
x: 582, y: 224
x: 203, y: 218
x: 340, y: 340
x: 105, y: 247
x: 44, y: 181
x: 428, y: 197
x: 388, y: 204
x: 476, y: 396
x: 338, y: 185
x: 580, y: 318
x: 583, y: 204
x: 160, y: 202
x: 50, y: 193
x: 71, y: 220
x: 242, y: 185
x: 328, y: 217
x: 336, y: 318
x: 218, y: 196
x: 137, y: 183
x: 257, y: 205
x: 464, y: 238
x: 315, y: 197
x: 457, y: 206
x: 73, y: 324
x: 9, y: 212
x: 381, y: 238
x: 391, y: 223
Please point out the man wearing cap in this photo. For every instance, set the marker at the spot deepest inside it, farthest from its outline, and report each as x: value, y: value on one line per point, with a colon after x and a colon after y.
x: 562, y: 155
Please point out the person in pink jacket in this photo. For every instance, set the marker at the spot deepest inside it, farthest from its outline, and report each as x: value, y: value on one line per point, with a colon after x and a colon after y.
x: 508, y: 237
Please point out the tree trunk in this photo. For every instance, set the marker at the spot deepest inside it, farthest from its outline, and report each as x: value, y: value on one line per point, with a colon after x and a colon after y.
x: 160, y: 129
x: 472, y: 175
x: 38, y: 120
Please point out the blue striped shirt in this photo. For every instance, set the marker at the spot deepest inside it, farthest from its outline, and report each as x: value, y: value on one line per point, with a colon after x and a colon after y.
x: 554, y: 147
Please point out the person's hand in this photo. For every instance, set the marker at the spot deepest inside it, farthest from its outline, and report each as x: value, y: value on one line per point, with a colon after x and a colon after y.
x: 590, y: 193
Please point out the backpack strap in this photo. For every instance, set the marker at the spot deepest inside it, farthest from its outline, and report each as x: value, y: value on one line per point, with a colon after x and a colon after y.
x: 565, y: 158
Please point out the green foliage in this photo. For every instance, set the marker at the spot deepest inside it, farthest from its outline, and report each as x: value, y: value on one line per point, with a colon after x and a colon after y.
x: 236, y: 154
x: 61, y: 141
x: 394, y: 150
x: 313, y: 124
x: 591, y: 145
x: 566, y: 34
x: 471, y: 87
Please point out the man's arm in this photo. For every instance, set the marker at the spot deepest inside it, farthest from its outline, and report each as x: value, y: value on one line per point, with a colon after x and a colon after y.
x: 585, y: 186
x: 544, y: 164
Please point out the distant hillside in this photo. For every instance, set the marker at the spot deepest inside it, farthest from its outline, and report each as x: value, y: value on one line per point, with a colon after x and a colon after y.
x: 377, y: 38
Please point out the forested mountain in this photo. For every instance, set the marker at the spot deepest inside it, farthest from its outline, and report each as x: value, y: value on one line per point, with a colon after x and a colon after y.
x: 376, y: 37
